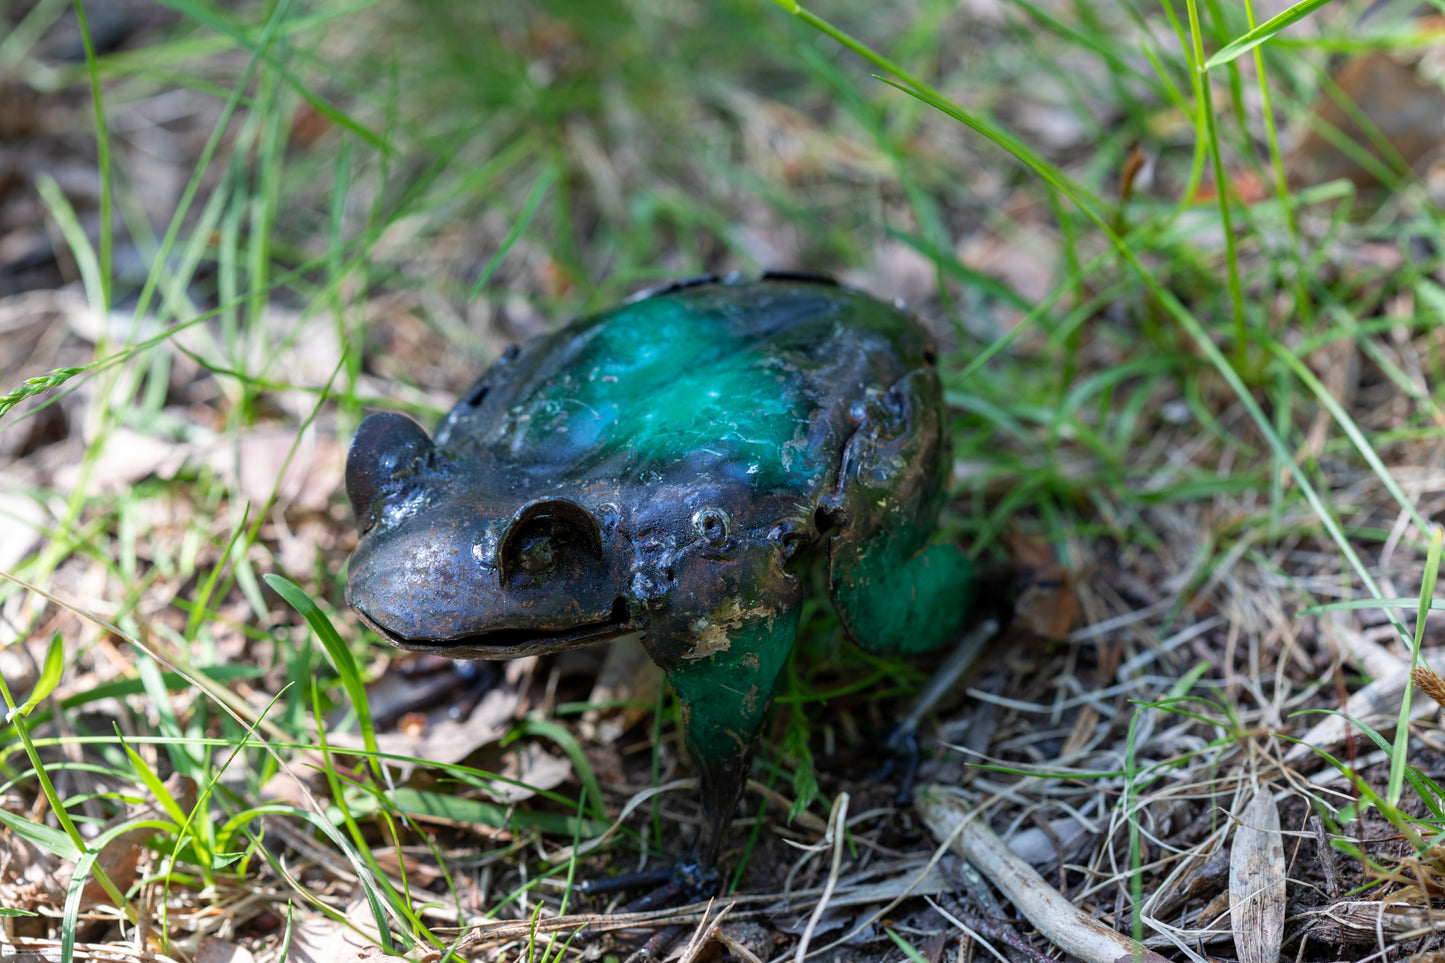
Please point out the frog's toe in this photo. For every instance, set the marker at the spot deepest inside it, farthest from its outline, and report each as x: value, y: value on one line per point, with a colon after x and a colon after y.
x: 686, y: 881
x: 900, y: 755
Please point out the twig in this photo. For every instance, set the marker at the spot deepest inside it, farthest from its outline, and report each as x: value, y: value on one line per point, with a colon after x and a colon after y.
x: 950, y: 820
x: 837, y: 821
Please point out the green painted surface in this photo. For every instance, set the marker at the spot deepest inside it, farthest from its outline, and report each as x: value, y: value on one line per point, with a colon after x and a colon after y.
x: 904, y: 605
x: 725, y: 698
x: 663, y: 381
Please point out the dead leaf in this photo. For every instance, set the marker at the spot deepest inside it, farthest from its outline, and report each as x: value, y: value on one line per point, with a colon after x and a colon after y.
x: 213, y: 950
x: 1404, y: 108
x: 1257, y: 881
x: 125, y: 458
x: 628, y: 674
x: 534, y: 769
x: 1025, y: 260
x: 1364, y: 922
x: 319, y: 939
x: 121, y: 857
x: 449, y: 740
x: 313, y: 475
x: 29, y: 880
x: 1047, y: 604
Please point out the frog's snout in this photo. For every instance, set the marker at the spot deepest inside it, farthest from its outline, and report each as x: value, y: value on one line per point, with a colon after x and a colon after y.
x: 386, y: 446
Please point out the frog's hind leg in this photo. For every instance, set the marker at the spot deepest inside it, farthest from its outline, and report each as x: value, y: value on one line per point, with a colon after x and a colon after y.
x: 724, y: 698
x: 893, y: 591
x: 892, y: 601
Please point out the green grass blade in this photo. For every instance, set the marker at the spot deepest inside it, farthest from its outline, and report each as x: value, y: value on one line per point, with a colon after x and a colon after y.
x: 1401, y: 750
x: 49, y: 677
x: 86, y: 868
x: 1351, y: 430
x: 907, y: 948
x: 341, y: 659
x: 1246, y: 42
x: 102, y: 146
x: 1175, y: 308
x: 53, y: 841
x: 86, y: 259
x: 261, y: 47
x: 519, y: 228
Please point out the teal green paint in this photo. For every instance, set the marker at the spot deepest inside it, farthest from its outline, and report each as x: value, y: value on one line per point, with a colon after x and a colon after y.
x: 725, y: 696
x: 896, y: 602
x: 665, y: 382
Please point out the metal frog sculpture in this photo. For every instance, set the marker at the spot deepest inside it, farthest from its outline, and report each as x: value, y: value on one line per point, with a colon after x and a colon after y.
x: 666, y: 468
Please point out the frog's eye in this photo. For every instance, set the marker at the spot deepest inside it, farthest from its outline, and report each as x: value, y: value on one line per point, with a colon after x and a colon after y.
x: 712, y: 526
x: 550, y: 537
x: 386, y: 446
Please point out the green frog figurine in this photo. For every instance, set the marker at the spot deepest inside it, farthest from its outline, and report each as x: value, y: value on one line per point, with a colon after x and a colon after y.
x: 668, y: 467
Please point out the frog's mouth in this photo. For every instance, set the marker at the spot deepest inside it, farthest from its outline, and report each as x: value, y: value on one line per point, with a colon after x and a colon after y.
x: 513, y: 642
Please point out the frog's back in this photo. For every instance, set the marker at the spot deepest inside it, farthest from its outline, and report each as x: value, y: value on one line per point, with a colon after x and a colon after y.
x: 757, y: 381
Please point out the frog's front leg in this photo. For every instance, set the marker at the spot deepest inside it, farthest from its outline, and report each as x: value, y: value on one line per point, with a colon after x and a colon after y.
x: 724, y: 694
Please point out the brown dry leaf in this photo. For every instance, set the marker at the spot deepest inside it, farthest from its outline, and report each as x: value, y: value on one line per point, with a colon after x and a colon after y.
x: 213, y: 950
x: 1245, y: 185
x: 1257, y: 881
x: 286, y: 786
x: 1407, y: 110
x: 535, y: 769
x: 29, y: 879
x: 449, y: 740
x: 126, y: 458
x: 21, y: 518
x: 896, y: 270
x: 313, y: 476
x: 1364, y: 922
x: 122, y: 855
x: 1047, y: 604
x: 786, y: 144
x: 628, y: 674
x: 1025, y: 260
x: 319, y: 939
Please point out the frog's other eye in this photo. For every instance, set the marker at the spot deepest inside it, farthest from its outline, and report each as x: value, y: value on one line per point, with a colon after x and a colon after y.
x: 550, y: 537
x: 712, y: 526
x: 386, y: 446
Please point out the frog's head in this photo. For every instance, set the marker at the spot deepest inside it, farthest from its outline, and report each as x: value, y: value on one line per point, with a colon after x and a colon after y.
x: 456, y: 562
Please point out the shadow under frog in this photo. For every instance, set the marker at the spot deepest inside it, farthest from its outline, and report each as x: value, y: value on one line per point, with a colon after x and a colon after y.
x: 666, y: 467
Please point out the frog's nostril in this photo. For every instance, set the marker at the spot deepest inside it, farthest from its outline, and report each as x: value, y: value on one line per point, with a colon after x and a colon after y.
x: 386, y: 446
